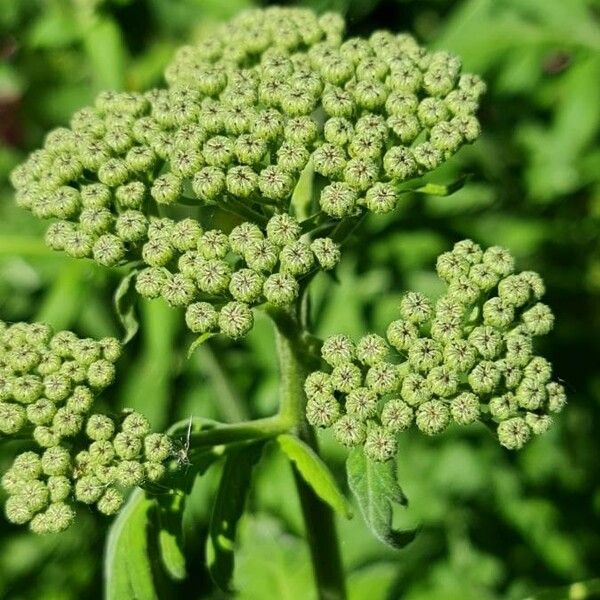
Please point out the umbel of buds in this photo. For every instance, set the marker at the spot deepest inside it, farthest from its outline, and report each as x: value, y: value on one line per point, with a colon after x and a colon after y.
x: 467, y: 357
x: 48, y: 385
x: 271, y: 95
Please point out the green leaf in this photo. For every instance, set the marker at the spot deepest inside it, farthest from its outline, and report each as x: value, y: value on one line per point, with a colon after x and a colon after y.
x: 303, y: 192
x: 125, y: 301
x: 442, y: 189
x: 127, y: 566
x: 376, y: 488
x: 170, y: 534
x: 315, y: 472
x: 228, y: 508
x: 199, y: 341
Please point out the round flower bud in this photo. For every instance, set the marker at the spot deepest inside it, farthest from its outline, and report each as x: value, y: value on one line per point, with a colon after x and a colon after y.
x: 275, y: 183
x: 157, y: 252
x: 127, y: 445
x: 318, y: 384
x: 416, y: 308
x: 556, y: 397
x: 442, y: 381
x: 209, y: 183
x: 519, y: 349
x: 296, y: 258
x: 349, y: 431
x: 531, y: 393
x: 539, y: 369
x: 487, y: 341
x: 154, y: 471
x: 513, y: 433
x: 26, y: 389
x: 383, y: 378
x: 241, y: 181
x: 536, y: 283
x: 371, y: 349
x: 483, y: 277
x: 396, y: 415
x: 108, y: 250
x: 485, y: 377
x: 424, y: 354
x: 113, y: 172
x: 136, y: 424
x: 235, y: 320
x: 329, y: 160
x: 131, y: 195
x: 380, y: 444
x: 17, y: 511
x: 59, y: 488
x: 326, y: 251
x: 95, y: 220
x: 178, y: 290
x: 246, y: 286
x: 67, y: 423
x: 45, y: 437
x: 86, y: 351
x: 111, y: 348
x: 538, y: 424
x: 201, y: 317
x: 469, y: 250
x: 261, y: 255
x: 399, y: 163
x: 57, y: 387
x: 281, y: 289
x: 100, y: 427
x: 432, y: 417
x: 27, y: 465
x: 282, y: 229
x: 166, y: 189
x: 514, y: 290
x: 111, y: 502
x: 361, y: 403
x: 538, y: 320
x: 465, y: 408
x: 56, y: 461
x: 502, y: 407
x: 346, y: 377
x: 101, y: 453
x: 338, y: 200
x: 381, y: 198
x: 401, y: 334
x: 338, y: 350
x: 460, y: 355
x: 498, y: 313
x: 157, y: 447
x: 12, y: 417
x: 149, y: 282
x: 130, y: 473
x: 244, y: 235
x: 322, y: 411
x: 361, y: 174
x: 499, y: 260
x: 101, y: 373
x: 450, y: 266
x: 88, y: 489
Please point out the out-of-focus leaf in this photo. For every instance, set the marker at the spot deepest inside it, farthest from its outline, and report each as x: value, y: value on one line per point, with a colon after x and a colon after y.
x: 170, y: 534
x: 125, y: 302
x: 302, y: 196
x: 315, y: 472
x: 227, y: 510
x: 376, y: 489
x: 199, y: 341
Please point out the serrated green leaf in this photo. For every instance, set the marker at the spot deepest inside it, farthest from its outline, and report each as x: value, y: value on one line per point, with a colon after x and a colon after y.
x: 128, y: 569
x: 125, y: 302
x: 199, y: 341
x: 315, y: 472
x: 228, y: 508
x: 376, y: 488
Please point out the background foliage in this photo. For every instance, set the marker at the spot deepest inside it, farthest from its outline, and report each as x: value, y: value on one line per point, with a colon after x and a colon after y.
x: 494, y: 524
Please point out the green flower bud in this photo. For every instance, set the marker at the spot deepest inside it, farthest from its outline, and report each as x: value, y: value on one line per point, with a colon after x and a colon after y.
x: 432, y: 417
x: 383, y: 378
x: 236, y: 320
x: 261, y: 255
x: 361, y: 174
x: 514, y: 290
x: 246, y: 286
x: 209, y: 183
x: 178, y: 290
x: 531, y: 393
x: 17, y: 511
x: 131, y: 195
x: 503, y: 407
x: 166, y: 189
x: 67, y: 423
x: 539, y: 369
x: 318, y: 384
x: 108, y: 250
x: 396, y: 415
x: 282, y: 229
x: 157, y: 447
x: 483, y: 277
x: 131, y: 226
x: 499, y: 260
x: 100, y: 427
x: 136, y: 424
x: 424, y: 354
x: 12, y: 417
x: 460, y: 355
x: 416, y: 308
x: 346, y: 377
x: 213, y: 276
x: 519, y: 349
x: 218, y: 151
x: 485, y: 377
x: 101, y: 373
x: 154, y: 471
x: 101, y: 453
x: 157, y: 252
x: 538, y: 320
x: 111, y: 502
x: 322, y: 411
x: 556, y: 397
x: 201, y: 317
x: 130, y: 473
x: 59, y: 488
x: 401, y: 334
x: 127, y: 445
x: 338, y: 350
x: 45, y: 437
x: 487, y: 341
x: 380, y: 444
x: 281, y: 289
x: 113, y: 172
x: 361, y: 403
x: 27, y: 466
x: 57, y: 518
x: 465, y: 408
x: 56, y: 461
x: 149, y: 282
x: 338, y: 200
x: 242, y: 181
x: 95, y: 220
x: 513, y: 433
x: 88, y: 489
x: 372, y: 349
x: 296, y: 258
x: 539, y: 424
x: 213, y: 244
x: 450, y: 266
x: 498, y: 313
x: 326, y: 251
x: 349, y: 431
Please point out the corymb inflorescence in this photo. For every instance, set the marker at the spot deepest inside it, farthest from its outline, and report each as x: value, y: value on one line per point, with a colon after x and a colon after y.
x: 48, y: 385
x: 467, y: 357
x: 270, y: 96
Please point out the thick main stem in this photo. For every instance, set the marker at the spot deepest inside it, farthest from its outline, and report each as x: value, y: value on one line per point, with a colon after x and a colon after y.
x: 319, y: 521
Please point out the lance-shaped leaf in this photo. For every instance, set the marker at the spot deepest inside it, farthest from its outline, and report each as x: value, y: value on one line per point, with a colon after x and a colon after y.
x: 228, y: 508
x: 125, y: 300
x: 315, y: 472
x: 376, y: 488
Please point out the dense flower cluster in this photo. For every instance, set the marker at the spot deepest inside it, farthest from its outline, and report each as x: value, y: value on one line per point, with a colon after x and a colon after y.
x: 48, y: 385
x: 468, y: 357
x: 218, y: 277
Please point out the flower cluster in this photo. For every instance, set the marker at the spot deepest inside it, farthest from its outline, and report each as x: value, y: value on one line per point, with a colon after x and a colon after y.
x: 466, y: 358
x: 218, y: 277
x: 48, y: 385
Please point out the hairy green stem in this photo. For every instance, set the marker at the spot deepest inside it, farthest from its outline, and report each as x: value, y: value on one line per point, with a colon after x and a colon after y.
x: 319, y: 520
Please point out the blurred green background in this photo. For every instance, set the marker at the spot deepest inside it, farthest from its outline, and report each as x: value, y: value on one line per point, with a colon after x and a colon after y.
x: 495, y: 525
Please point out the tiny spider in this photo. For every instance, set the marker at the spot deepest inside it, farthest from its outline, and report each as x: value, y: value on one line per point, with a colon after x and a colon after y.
x: 181, y: 454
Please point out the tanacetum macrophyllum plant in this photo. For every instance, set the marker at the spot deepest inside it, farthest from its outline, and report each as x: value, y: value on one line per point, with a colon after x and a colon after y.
x: 291, y: 134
